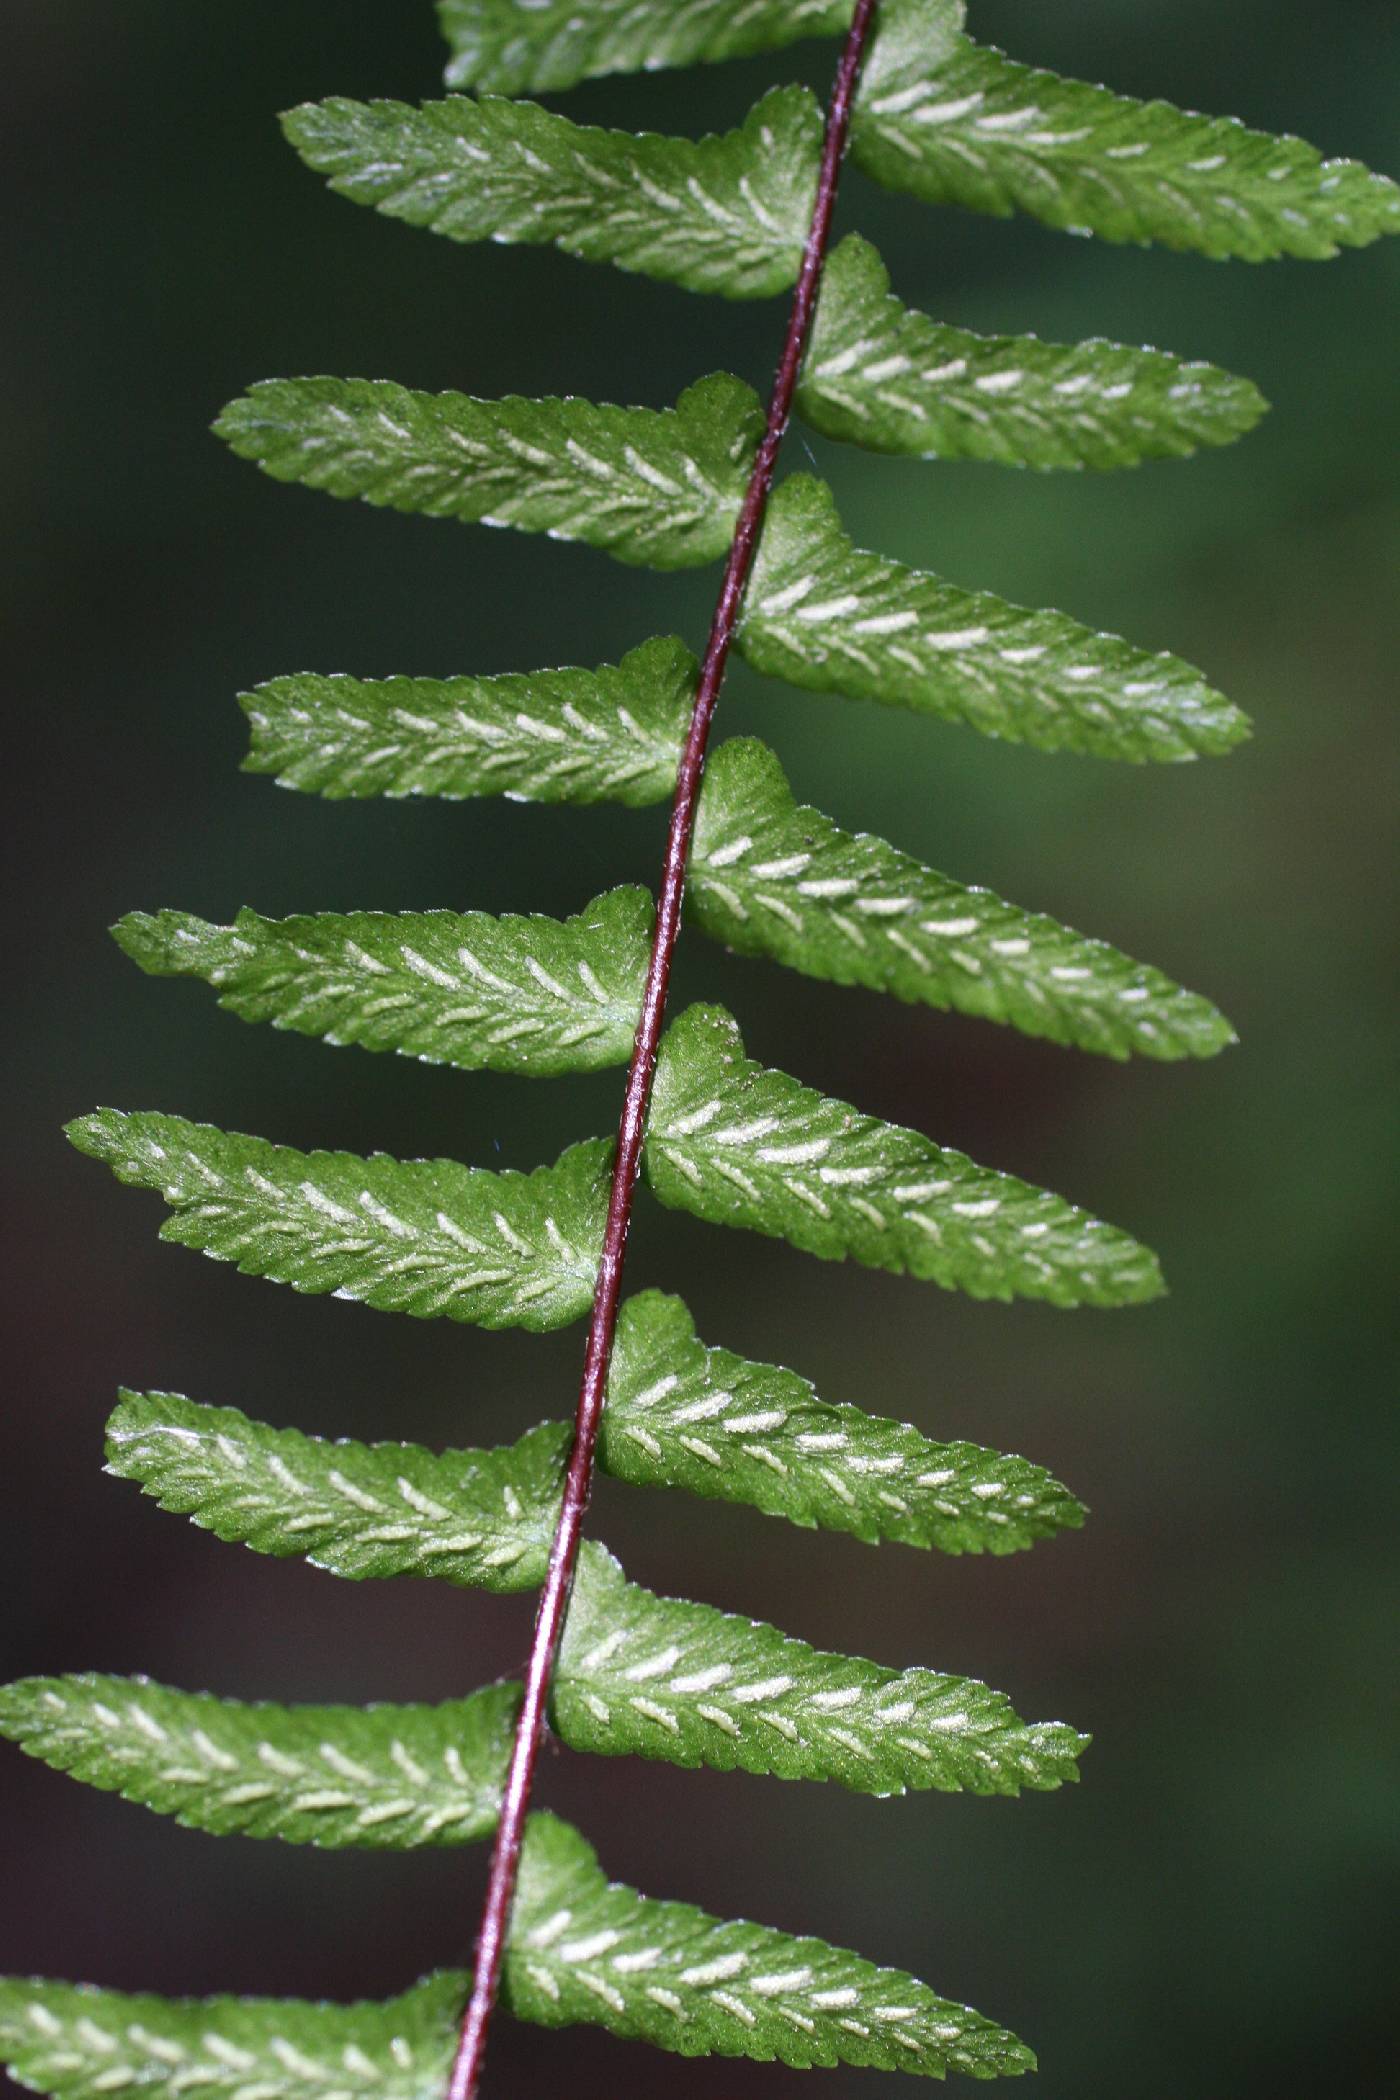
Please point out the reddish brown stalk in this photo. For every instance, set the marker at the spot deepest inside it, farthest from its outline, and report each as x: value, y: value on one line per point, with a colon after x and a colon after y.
x: 563, y: 1558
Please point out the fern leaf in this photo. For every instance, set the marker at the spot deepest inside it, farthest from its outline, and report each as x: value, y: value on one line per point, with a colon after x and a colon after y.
x: 80, y: 2043
x: 514, y: 994
x: 974, y: 128
x: 583, y: 1949
x: 335, y: 1776
x: 772, y: 877
x: 723, y: 214
x: 881, y: 375
x: 658, y: 1677
x: 823, y: 614
x: 680, y: 1414
x: 403, y: 1776
x: 525, y: 46
x: 610, y: 735
x: 737, y: 1144
x: 422, y: 1236
x: 658, y: 487
x: 481, y: 1519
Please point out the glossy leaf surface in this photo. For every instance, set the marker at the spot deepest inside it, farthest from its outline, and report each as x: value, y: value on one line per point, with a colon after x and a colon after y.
x: 656, y: 487
x: 530, y: 995
x: 724, y: 214
x: 482, y: 1519
x: 80, y: 2043
x: 587, y: 1949
x: 680, y: 1414
x: 824, y: 614
x: 737, y: 1144
x: 524, y: 46
x: 335, y: 1776
x: 610, y: 735
x: 974, y: 128
x: 774, y: 878
x: 662, y: 1678
x: 424, y: 1236
x: 881, y: 375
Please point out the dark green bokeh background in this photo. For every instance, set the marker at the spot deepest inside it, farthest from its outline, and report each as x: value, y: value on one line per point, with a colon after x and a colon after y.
x: 1207, y: 1914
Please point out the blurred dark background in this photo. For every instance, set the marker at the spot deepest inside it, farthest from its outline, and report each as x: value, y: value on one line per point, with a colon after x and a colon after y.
x: 1207, y: 1913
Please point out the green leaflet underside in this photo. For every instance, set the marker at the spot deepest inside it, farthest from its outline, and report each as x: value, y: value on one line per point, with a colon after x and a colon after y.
x: 774, y: 878
x: 729, y: 1141
x: 512, y: 994
x: 581, y: 1949
x: 638, y: 1675
x: 656, y: 487
x: 680, y: 1414
x: 426, y: 1237
x: 882, y: 375
x: 724, y: 214
x: 584, y: 1949
x: 530, y: 995
x: 768, y: 877
x: 661, y: 1678
x: 974, y: 128
x: 335, y: 1776
x: 737, y: 1144
x: 525, y: 46
x: 910, y: 38
x: 481, y: 1519
x: 80, y: 2043
x: 823, y: 614
x: 610, y: 735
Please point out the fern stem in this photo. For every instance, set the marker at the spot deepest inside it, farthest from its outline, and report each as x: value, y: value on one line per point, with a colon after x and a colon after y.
x: 554, y: 1597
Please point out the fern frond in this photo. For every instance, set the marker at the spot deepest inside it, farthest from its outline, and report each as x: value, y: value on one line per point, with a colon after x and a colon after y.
x: 737, y: 1144
x: 582, y: 1950
x: 481, y: 1519
x: 824, y: 614
x: 659, y: 1677
x: 80, y: 2043
x: 426, y: 1237
x: 725, y: 214
x: 525, y: 46
x: 640, y: 1675
x: 587, y: 1950
x: 616, y: 1669
x: 976, y: 129
x: 772, y: 877
x: 529, y: 995
x: 881, y: 375
x: 656, y: 487
x: 334, y: 1776
x: 610, y: 735
x: 680, y: 1414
